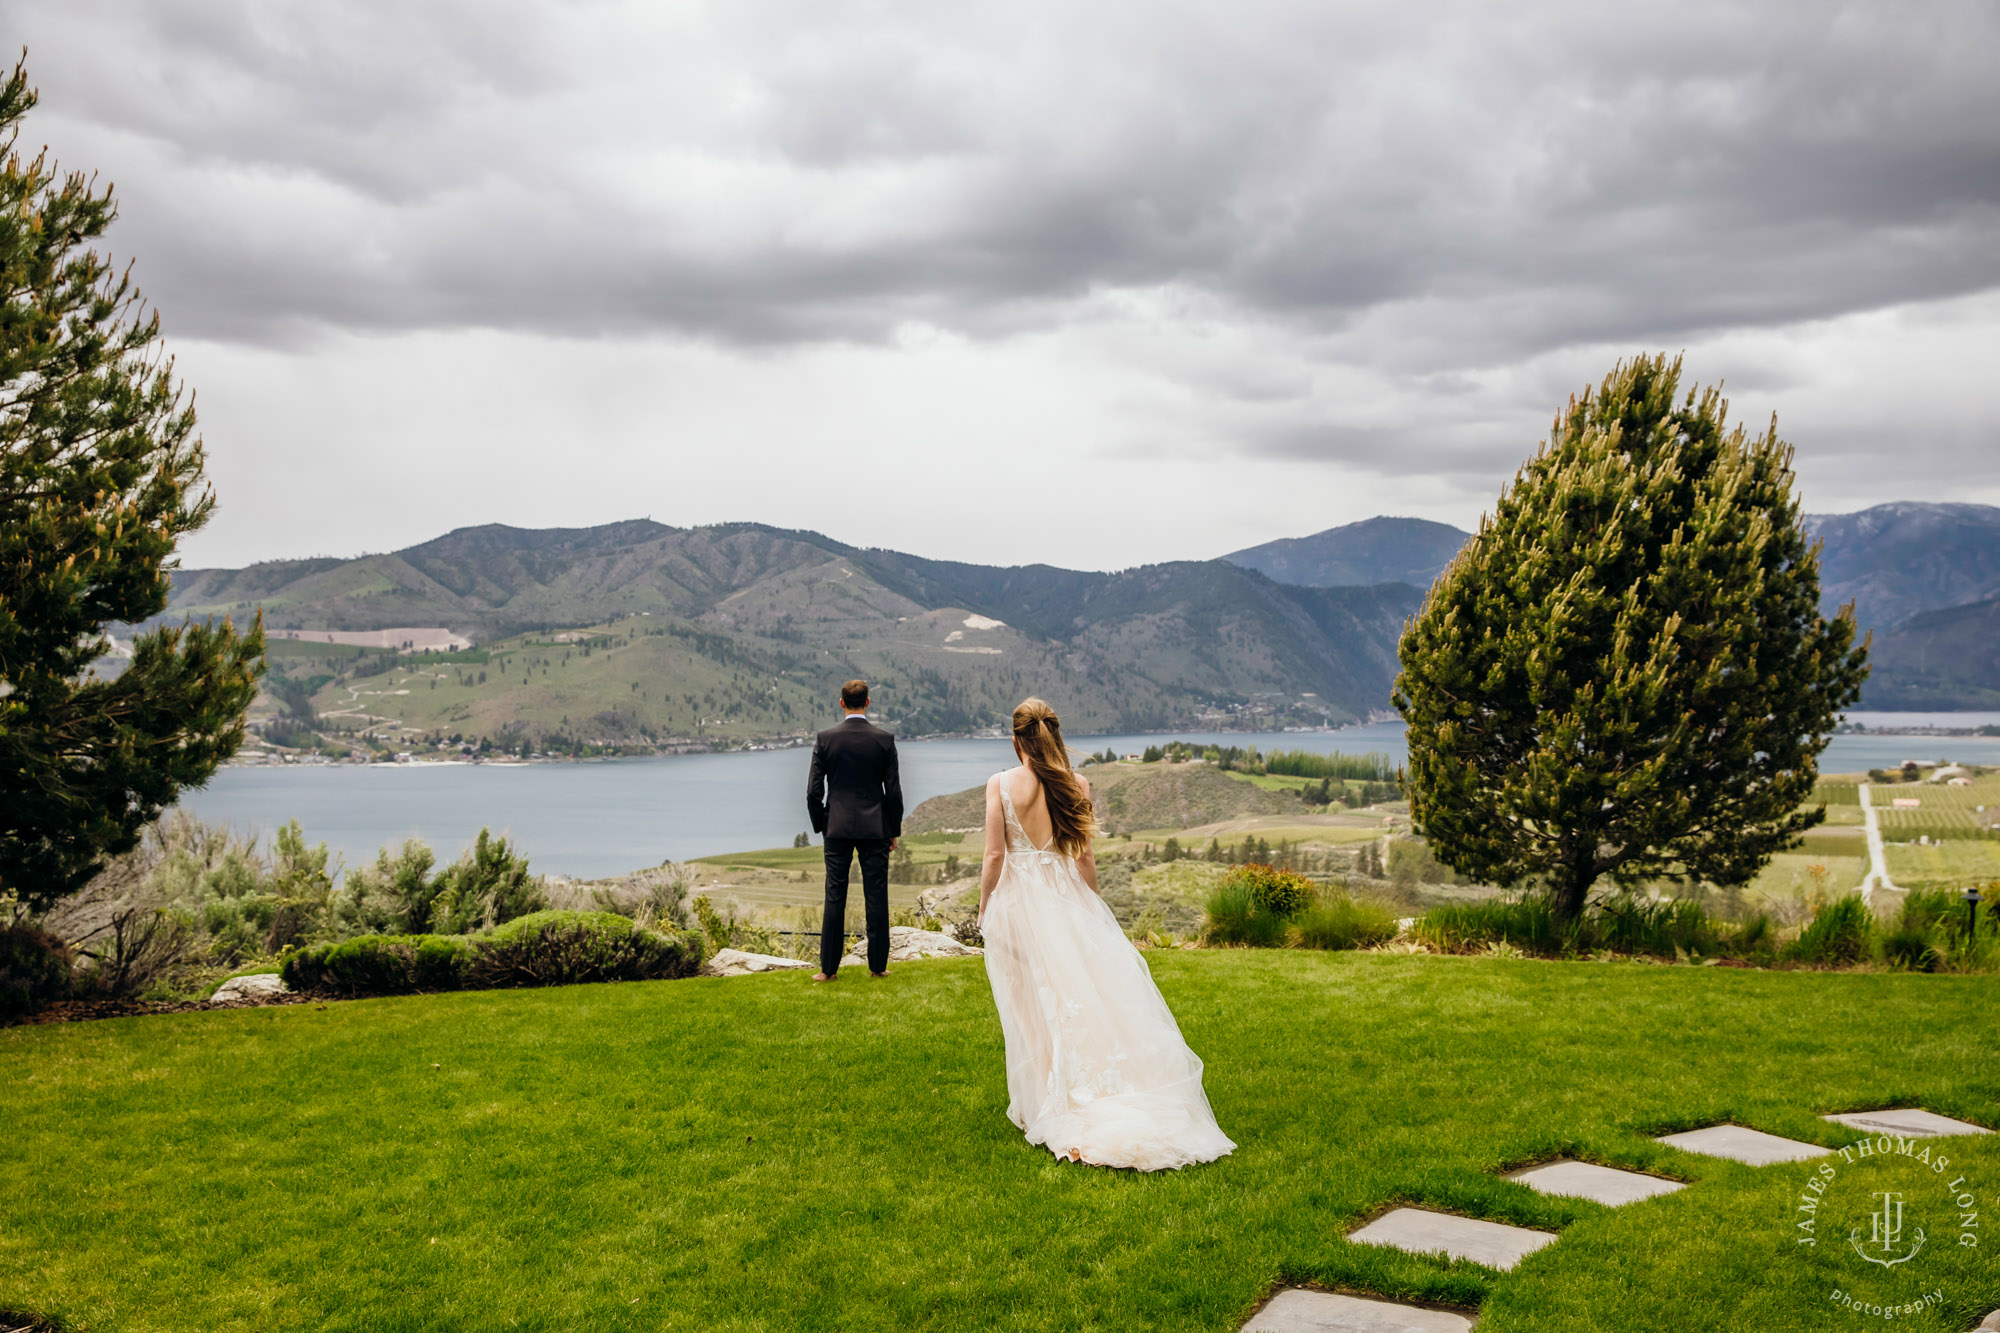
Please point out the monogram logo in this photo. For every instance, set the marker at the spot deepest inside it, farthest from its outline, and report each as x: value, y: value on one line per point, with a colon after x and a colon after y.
x: 1885, y: 1232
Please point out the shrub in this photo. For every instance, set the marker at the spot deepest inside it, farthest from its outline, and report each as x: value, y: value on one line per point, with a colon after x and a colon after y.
x: 1752, y: 935
x: 487, y: 886
x: 1528, y: 923
x: 565, y: 948
x: 1281, y: 893
x: 1925, y: 909
x: 381, y: 965
x: 1235, y: 917
x: 1663, y: 927
x: 137, y: 950
x: 1842, y: 930
x: 34, y: 969
x: 1911, y: 948
x: 1341, y: 921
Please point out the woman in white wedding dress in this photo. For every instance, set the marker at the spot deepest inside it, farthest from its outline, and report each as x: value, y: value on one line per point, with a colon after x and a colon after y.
x: 1096, y: 1068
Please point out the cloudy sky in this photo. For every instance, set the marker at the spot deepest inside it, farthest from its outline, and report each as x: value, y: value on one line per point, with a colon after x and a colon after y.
x: 1091, y: 284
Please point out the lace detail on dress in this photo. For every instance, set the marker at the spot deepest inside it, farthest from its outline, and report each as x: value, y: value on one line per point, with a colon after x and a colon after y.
x: 1018, y: 842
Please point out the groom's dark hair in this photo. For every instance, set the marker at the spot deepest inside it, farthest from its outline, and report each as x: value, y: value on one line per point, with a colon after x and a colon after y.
x: 854, y: 694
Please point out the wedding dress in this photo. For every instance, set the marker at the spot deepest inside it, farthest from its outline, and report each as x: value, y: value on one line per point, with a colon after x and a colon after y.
x: 1096, y: 1067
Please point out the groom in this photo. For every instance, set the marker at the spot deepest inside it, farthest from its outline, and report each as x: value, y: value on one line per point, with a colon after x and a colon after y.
x: 854, y: 796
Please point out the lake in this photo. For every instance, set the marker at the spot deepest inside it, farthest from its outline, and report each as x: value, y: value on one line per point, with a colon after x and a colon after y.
x: 605, y: 818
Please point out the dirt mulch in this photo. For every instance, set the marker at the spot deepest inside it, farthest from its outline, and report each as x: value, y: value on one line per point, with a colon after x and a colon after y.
x: 82, y: 1011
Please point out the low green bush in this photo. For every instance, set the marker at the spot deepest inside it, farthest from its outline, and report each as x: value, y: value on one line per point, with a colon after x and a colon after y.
x: 381, y: 965
x: 1235, y: 917
x: 35, y: 969
x: 1341, y: 921
x: 1842, y: 930
x: 1280, y: 893
x: 541, y: 949
x: 566, y: 948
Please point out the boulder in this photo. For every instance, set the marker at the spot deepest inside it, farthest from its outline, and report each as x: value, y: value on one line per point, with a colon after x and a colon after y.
x: 248, y: 990
x: 741, y: 963
x: 907, y: 943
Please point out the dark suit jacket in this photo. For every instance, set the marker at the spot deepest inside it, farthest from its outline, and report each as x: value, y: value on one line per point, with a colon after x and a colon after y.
x: 854, y: 789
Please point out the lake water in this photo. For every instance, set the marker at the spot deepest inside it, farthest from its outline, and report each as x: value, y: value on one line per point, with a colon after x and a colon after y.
x: 596, y: 819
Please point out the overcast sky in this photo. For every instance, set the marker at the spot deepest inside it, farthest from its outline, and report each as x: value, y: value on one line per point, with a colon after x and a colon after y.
x: 1090, y: 284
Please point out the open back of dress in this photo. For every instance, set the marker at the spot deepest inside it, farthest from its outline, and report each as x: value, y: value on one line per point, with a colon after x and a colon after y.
x: 1096, y: 1066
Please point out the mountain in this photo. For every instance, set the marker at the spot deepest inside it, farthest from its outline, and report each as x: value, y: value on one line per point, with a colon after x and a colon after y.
x: 1896, y: 560
x: 1942, y: 659
x: 1923, y: 579
x: 641, y: 635
x: 1358, y: 555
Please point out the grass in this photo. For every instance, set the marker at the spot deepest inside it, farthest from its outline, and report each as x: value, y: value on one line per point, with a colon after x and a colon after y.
x: 763, y: 1154
x: 1962, y: 861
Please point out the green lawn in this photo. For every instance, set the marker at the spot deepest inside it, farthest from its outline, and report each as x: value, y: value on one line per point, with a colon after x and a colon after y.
x: 761, y: 1153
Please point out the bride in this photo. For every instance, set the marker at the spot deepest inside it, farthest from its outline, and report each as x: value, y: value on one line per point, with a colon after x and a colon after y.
x: 1096, y: 1067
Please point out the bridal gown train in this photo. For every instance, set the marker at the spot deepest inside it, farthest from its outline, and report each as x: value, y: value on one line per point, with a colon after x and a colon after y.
x: 1096, y: 1066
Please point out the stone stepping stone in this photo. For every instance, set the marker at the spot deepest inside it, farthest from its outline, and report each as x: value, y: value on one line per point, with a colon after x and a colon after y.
x: 1599, y: 1184
x: 1911, y: 1122
x: 1751, y: 1146
x: 1494, y: 1244
x: 1296, y: 1310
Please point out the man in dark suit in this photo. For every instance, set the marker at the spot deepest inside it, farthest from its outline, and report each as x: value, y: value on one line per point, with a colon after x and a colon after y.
x: 854, y: 795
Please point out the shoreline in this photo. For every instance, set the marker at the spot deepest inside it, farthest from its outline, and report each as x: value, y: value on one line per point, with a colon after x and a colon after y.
x: 271, y: 759
x: 274, y: 759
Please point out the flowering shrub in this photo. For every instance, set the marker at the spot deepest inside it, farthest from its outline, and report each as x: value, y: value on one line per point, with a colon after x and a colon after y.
x: 1282, y: 893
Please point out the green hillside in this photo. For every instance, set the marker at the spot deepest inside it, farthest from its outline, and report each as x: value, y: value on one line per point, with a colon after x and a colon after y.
x: 636, y: 636
x: 1131, y: 797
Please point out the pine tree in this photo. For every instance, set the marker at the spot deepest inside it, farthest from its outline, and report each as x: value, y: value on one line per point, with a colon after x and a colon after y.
x: 100, y: 476
x: 1625, y: 672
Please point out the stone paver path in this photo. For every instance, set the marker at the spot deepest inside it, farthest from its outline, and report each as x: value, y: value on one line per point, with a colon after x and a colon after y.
x: 1295, y: 1310
x: 1494, y: 1244
x: 1587, y: 1180
x: 1912, y: 1122
x: 1498, y: 1245
x: 1751, y: 1146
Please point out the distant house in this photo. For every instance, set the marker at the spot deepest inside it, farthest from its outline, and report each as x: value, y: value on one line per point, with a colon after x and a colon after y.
x: 1958, y: 782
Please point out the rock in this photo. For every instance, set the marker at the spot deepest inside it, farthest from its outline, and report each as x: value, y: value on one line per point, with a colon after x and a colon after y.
x: 1991, y: 1321
x: 741, y: 963
x: 248, y: 990
x: 907, y: 944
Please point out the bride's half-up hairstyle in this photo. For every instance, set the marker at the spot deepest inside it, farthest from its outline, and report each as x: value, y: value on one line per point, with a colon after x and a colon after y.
x: 1038, y: 731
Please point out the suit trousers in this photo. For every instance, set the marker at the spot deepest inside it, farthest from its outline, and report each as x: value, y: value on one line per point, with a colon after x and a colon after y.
x: 874, y: 854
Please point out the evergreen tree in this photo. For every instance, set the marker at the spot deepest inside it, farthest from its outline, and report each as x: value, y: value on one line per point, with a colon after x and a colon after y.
x: 100, y: 476
x: 1625, y: 672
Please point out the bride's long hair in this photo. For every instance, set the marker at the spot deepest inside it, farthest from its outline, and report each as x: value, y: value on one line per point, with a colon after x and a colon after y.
x: 1038, y: 736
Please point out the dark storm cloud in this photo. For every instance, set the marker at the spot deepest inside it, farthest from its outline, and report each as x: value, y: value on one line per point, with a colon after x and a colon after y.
x: 1470, y: 184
